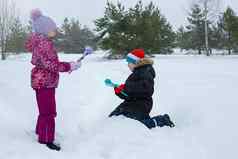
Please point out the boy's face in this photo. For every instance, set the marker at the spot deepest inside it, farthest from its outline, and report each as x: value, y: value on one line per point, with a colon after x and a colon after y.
x: 131, y: 66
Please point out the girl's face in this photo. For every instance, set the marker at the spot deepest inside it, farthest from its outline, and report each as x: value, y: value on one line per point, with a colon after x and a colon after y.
x: 131, y: 66
x: 52, y: 34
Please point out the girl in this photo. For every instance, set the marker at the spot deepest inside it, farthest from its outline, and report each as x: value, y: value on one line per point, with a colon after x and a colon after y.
x: 45, y: 74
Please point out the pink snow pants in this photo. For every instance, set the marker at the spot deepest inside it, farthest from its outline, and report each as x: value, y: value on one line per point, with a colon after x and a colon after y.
x: 45, y: 127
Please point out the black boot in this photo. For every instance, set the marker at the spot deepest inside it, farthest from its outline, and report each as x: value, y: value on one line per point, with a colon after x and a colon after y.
x: 159, y: 121
x: 53, y: 146
x: 149, y: 123
x: 167, y: 121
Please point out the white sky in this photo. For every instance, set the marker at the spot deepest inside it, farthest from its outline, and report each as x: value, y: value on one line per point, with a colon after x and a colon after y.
x: 88, y: 10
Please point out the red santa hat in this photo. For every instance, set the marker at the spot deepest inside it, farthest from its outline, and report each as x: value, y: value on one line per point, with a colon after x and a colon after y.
x: 135, y: 56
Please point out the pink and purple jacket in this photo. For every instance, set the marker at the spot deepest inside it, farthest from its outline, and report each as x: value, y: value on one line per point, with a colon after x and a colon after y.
x: 47, y: 66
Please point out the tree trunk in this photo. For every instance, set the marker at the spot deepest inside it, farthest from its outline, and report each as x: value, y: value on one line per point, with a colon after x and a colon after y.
x: 210, y: 51
x: 3, y: 57
x: 199, y: 52
x: 229, y: 43
x: 3, y: 54
x: 206, y: 30
x: 229, y: 51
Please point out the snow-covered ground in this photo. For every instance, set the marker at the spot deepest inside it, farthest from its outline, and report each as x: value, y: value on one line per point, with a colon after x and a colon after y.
x: 178, y: 51
x: 200, y: 94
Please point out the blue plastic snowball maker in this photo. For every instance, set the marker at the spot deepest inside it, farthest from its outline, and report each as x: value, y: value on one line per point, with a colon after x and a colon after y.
x: 87, y: 51
x: 109, y: 83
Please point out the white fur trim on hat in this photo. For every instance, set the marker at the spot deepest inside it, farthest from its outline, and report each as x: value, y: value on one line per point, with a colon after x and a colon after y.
x: 133, y: 57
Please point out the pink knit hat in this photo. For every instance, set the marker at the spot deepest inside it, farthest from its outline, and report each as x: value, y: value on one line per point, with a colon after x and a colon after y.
x: 35, y: 13
x: 42, y: 24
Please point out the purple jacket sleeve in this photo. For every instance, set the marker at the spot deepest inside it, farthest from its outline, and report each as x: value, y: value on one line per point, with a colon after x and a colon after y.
x: 49, y: 58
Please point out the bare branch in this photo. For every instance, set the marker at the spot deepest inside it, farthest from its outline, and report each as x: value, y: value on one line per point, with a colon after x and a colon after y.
x: 7, y: 17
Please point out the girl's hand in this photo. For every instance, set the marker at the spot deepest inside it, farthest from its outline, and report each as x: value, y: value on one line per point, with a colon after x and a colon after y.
x: 88, y: 50
x: 75, y: 66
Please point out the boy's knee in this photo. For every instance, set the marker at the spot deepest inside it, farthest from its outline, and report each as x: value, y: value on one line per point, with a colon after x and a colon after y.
x: 116, y: 112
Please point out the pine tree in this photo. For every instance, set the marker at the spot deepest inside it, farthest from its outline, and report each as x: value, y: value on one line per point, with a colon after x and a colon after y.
x: 122, y: 30
x: 63, y: 41
x: 75, y: 30
x: 15, y: 41
x: 75, y: 38
x: 217, y: 37
x: 196, y: 29
x: 113, y: 28
x: 152, y: 30
x: 230, y: 23
x: 183, y: 39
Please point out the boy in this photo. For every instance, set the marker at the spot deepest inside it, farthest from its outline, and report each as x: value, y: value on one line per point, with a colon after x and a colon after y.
x: 137, y: 92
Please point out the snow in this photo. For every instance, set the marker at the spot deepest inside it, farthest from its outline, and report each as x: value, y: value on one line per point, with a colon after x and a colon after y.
x: 221, y: 52
x: 200, y: 94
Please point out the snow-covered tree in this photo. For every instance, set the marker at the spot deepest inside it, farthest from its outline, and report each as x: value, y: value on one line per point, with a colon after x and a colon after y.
x: 7, y: 16
x: 121, y: 30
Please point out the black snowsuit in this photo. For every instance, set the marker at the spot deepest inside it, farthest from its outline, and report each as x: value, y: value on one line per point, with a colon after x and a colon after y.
x: 138, y: 104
